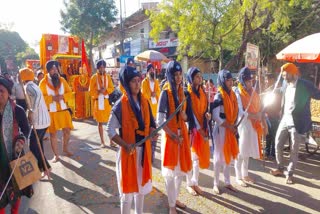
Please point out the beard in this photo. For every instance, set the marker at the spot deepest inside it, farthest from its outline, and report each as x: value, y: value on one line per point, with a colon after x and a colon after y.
x: 151, y: 75
x: 55, y: 80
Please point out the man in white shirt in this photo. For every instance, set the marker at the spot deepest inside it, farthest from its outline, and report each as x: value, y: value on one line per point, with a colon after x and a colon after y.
x: 38, y: 116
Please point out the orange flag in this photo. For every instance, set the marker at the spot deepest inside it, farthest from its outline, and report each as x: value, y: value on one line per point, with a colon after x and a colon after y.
x: 84, y: 59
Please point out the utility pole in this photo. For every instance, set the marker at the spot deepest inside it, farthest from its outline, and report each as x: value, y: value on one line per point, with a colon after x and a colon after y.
x: 121, y: 30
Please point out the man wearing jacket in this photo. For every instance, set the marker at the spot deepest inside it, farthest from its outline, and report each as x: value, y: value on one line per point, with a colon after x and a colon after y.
x: 296, y: 117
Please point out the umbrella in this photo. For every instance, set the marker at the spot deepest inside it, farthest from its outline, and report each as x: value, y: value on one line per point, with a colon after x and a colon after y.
x: 306, y: 49
x: 152, y: 56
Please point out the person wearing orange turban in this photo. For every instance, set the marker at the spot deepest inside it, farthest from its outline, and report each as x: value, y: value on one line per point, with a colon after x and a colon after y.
x: 38, y: 114
x: 296, y: 117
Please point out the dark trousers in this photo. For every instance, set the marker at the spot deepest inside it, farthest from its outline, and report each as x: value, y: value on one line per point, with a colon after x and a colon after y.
x: 273, y: 124
x: 35, y: 149
x: 22, y: 103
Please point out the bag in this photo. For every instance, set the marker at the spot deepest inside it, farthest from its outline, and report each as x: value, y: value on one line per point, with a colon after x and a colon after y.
x: 27, y: 171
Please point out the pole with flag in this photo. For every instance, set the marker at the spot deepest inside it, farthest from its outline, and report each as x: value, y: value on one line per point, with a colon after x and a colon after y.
x: 84, y: 59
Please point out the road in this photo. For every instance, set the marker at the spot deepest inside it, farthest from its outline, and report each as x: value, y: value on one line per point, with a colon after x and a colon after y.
x: 86, y: 183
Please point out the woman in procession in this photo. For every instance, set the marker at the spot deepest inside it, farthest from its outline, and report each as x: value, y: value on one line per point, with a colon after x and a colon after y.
x: 133, y: 117
x: 14, y: 128
x: 224, y: 113
x: 175, y: 146
x: 198, y: 128
x: 251, y: 128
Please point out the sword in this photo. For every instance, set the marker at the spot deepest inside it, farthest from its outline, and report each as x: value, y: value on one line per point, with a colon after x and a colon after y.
x: 154, y: 133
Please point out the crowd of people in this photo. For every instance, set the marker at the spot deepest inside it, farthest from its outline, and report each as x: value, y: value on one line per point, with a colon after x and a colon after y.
x: 188, y: 115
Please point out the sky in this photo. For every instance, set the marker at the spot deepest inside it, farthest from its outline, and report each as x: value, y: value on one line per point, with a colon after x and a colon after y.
x: 32, y: 18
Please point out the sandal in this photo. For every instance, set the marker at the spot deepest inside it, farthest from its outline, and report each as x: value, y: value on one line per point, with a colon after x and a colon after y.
x: 180, y: 205
x: 198, y: 190
x: 248, y: 179
x: 216, y: 190
x: 192, y: 191
x: 289, y: 179
x: 240, y: 182
x: 230, y: 187
x: 276, y: 172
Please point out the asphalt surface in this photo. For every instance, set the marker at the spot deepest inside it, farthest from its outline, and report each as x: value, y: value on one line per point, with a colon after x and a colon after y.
x: 86, y: 183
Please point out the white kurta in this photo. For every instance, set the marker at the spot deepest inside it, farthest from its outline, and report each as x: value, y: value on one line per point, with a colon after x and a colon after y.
x: 248, y: 137
x: 112, y: 125
x: 218, y: 134
x: 161, y: 117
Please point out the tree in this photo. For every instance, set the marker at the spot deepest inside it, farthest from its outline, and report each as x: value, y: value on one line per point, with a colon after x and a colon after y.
x: 11, y: 44
x: 88, y: 19
x: 208, y: 28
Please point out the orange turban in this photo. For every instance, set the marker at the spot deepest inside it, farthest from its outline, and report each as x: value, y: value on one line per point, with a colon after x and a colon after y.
x: 26, y: 74
x: 290, y: 68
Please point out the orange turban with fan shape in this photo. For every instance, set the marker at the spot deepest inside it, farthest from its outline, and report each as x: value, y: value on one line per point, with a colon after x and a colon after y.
x: 26, y: 74
x: 290, y: 68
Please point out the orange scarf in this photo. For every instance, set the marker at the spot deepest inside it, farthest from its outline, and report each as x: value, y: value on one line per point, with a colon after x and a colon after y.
x: 230, y: 104
x: 102, y: 80
x: 56, y: 90
x: 129, y: 182
x: 199, y: 145
x: 170, y: 159
x: 254, y: 108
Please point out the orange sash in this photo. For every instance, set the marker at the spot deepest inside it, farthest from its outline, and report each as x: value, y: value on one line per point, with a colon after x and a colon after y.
x: 230, y: 148
x: 254, y: 108
x: 171, y: 149
x: 56, y: 90
x: 199, y: 145
x: 129, y: 180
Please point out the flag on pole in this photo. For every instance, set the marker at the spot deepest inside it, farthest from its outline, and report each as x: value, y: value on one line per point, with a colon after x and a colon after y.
x: 84, y: 59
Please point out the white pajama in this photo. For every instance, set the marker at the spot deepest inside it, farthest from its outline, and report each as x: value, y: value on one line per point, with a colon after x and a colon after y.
x: 218, y: 154
x: 248, y: 142
x: 193, y: 176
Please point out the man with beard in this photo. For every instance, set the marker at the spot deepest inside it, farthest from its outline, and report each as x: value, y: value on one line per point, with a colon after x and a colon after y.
x: 57, y: 92
x: 100, y: 87
x: 151, y: 90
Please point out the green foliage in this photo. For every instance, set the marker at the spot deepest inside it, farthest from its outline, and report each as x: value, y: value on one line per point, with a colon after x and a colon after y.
x: 14, y: 47
x: 212, y: 28
x: 88, y: 19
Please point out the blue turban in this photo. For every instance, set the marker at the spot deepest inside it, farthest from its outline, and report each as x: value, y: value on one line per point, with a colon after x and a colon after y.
x: 50, y: 64
x: 191, y: 73
x: 130, y: 60
x: 224, y: 75
x: 172, y: 68
x: 149, y: 67
x: 244, y: 75
x: 100, y: 63
x: 126, y: 74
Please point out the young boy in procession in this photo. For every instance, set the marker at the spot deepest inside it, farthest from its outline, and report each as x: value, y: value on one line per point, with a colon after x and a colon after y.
x: 100, y: 87
x: 200, y: 147
x: 224, y: 113
x: 133, y: 117
x: 251, y: 127
x: 175, y: 146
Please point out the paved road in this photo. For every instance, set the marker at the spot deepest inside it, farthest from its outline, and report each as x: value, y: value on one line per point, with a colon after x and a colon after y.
x: 86, y: 183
